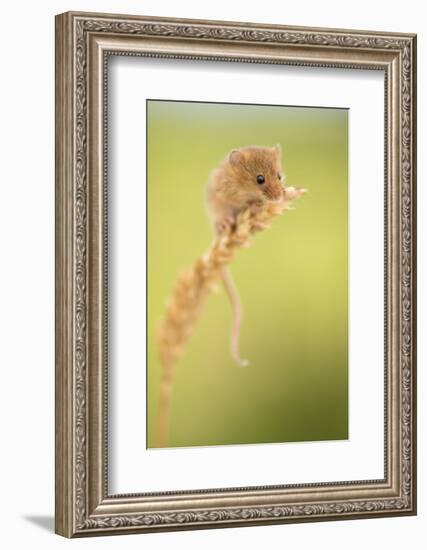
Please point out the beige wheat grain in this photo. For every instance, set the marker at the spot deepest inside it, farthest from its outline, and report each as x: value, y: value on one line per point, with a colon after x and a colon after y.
x: 191, y: 289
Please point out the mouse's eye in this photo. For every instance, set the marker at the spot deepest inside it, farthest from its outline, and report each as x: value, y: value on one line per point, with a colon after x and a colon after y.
x: 260, y: 179
x: 279, y: 176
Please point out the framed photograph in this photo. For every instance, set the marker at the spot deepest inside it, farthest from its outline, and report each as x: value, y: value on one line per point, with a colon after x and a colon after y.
x: 235, y: 274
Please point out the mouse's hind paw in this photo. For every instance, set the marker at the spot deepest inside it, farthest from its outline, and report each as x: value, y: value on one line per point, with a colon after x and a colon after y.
x: 224, y: 225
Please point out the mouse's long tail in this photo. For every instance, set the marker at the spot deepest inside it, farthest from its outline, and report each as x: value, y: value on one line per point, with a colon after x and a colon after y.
x: 237, y: 311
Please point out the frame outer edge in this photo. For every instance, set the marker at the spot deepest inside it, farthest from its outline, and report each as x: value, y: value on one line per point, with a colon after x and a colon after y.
x: 414, y: 269
x: 64, y: 432
x: 73, y: 402
x: 234, y: 23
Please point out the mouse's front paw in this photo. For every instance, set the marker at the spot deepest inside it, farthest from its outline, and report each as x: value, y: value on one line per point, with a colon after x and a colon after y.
x: 255, y: 206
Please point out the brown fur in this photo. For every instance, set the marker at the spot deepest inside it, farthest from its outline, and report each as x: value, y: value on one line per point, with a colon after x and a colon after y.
x: 233, y: 185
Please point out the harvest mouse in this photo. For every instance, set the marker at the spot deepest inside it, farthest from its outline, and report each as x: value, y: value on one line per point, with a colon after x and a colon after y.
x: 248, y: 177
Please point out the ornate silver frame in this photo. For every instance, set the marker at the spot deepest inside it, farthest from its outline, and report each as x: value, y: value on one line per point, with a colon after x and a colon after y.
x: 83, y: 42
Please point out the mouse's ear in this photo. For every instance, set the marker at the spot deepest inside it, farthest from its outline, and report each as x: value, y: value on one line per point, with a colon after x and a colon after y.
x: 235, y: 157
x: 278, y: 148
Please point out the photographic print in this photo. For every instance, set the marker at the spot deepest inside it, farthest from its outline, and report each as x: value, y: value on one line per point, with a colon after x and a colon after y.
x: 247, y: 293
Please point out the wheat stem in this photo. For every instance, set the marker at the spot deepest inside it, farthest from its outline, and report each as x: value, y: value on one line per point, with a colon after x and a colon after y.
x: 191, y: 289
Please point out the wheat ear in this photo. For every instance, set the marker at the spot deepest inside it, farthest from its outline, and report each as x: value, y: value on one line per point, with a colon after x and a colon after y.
x: 191, y: 288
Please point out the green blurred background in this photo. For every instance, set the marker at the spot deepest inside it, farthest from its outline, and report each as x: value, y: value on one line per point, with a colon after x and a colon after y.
x: 293, y: 281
